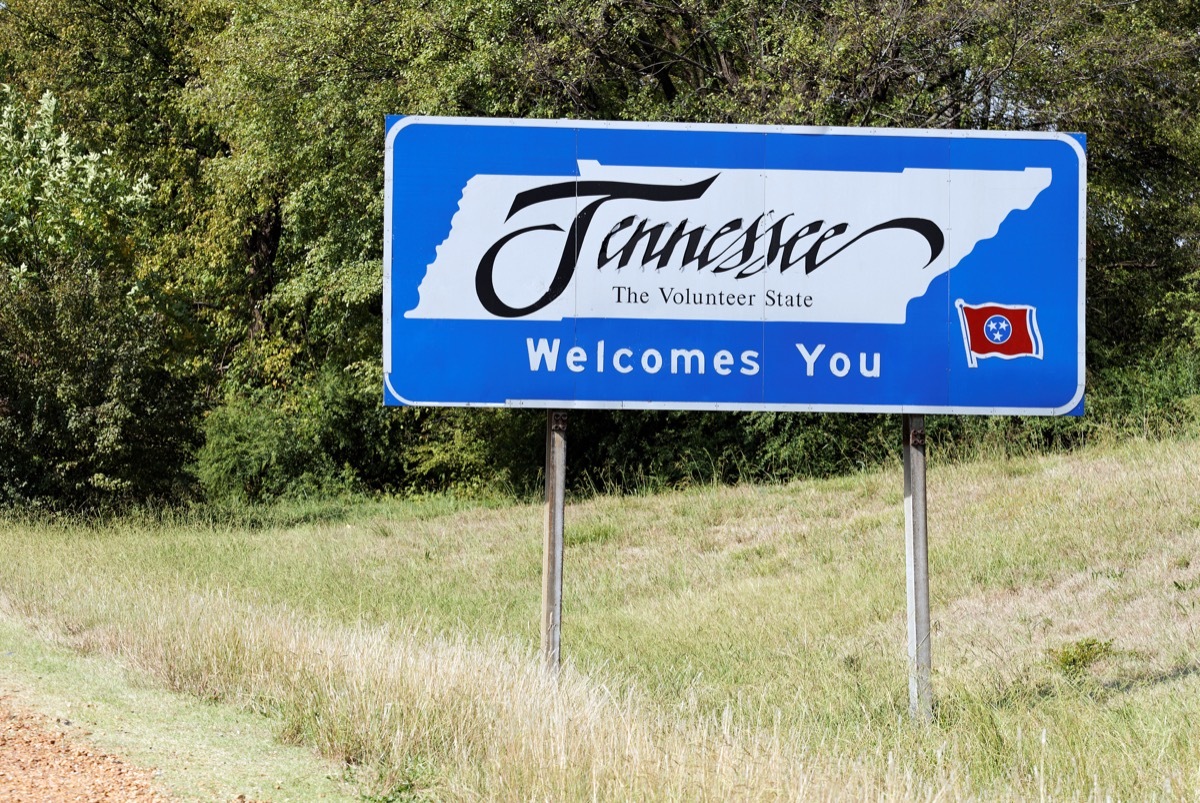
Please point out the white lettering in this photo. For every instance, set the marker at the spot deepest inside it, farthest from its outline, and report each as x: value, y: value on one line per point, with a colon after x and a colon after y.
x: 687, y: 355
x: 576, y: 359
x: 810, y: 357
x: 749, y: 363
x: 839, y: 364
x: 622, y: 368
x: 721, y: 362
x: 862, y: 365
x: 543, y: 352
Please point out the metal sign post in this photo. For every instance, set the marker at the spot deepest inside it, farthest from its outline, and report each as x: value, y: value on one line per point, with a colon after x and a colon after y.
x: 552, y: 559
x: 916, y: 552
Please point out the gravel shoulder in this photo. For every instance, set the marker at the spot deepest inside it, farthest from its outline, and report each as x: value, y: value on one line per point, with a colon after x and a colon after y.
x: 69, y: 718
x: 41, y: 762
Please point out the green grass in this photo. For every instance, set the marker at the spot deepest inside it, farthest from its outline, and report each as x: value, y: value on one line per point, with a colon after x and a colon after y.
x: 743, y: 642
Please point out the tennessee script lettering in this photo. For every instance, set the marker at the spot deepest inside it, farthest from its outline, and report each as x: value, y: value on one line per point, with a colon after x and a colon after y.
x: 737, y: 248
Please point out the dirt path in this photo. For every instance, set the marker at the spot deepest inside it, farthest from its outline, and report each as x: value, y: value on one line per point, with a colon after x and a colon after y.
x: 39, y: 761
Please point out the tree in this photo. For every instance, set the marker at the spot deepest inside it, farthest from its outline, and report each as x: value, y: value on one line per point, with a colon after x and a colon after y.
x: 90, y: 411
x: 260, y: 127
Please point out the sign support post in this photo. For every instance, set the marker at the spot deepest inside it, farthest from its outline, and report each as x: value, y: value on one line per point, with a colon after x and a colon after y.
x: 552, y: 559
x: 916, y: 552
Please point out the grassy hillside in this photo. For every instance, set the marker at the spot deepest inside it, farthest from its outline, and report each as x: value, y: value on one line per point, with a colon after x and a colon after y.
x: 743, y: 643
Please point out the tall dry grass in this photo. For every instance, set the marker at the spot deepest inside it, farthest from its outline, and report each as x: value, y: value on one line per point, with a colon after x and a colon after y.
x: 732, y: 644
x: 451, y: 718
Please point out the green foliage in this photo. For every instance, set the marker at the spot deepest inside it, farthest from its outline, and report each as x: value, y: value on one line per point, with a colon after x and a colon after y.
x: 332, y: 437
x: 1076, y: 658
x: 252, y: 450
x: 89, y: 408
x: 118, y: 69
x: 1152, y: 396
x: 259, y: 126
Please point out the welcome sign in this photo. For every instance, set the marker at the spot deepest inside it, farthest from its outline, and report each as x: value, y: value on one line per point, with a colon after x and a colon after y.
x: 576, y: 264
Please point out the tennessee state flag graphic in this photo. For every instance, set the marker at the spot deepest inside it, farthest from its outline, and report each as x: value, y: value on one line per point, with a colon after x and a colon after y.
x: 1006, y: 331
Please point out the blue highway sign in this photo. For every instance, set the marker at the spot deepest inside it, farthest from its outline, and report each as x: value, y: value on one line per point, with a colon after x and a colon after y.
x: 573, y: 264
